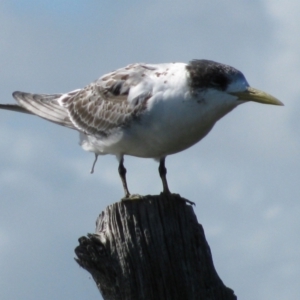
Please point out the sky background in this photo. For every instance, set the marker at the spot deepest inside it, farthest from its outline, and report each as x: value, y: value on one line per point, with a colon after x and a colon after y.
x: 244, y: 176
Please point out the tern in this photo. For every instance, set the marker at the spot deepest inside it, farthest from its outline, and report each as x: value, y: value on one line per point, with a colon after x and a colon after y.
x: 146, y: 110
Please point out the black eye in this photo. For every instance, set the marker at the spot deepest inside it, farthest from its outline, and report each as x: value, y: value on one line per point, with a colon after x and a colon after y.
x: 220, y: 81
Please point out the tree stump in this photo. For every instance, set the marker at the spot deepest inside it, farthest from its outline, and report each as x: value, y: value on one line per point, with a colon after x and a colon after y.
x: 152, y: 248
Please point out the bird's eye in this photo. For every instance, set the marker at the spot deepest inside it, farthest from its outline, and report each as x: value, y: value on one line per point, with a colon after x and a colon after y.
x: 220, y: 81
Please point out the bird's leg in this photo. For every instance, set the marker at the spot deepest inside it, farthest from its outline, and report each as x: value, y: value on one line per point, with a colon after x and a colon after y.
x: 163, y: 172
x: 122, y: 172
x: 94, y: 163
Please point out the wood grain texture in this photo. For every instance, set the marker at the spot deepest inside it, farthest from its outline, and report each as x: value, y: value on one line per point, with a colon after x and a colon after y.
x: 151, y: 248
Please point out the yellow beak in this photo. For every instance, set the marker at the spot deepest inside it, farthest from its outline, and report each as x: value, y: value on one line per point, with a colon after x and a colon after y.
x: 252, y: 94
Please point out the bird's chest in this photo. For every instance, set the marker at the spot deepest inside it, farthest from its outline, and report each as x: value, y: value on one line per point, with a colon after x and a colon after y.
x: 172, y: 127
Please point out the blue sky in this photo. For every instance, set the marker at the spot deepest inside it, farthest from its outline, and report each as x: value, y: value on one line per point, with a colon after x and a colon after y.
x: 244, y: 176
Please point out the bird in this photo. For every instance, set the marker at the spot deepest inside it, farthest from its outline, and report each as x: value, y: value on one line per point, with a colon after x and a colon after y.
x: 146, y: 110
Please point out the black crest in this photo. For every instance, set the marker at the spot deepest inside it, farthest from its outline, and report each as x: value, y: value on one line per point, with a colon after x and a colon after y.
x: 209, y: 74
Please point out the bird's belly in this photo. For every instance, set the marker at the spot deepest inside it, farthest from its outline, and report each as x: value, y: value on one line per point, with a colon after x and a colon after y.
x: 152, y: 138
x: 169, y: 130
x: 164, y: 130
x: 156, y: 143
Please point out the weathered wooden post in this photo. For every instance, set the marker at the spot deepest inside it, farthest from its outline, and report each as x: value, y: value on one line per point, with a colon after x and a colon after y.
x: 152, y: 248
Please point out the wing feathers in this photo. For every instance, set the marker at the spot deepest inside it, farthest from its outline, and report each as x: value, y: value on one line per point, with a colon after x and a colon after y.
x: 44, y: 106
x: 100, y: 108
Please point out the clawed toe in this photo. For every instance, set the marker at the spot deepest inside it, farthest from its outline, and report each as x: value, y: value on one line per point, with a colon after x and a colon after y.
x: 132, y: 197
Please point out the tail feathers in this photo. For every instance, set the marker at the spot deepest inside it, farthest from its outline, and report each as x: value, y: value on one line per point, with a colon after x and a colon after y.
x: 14, y: 107
x: 44, y: 106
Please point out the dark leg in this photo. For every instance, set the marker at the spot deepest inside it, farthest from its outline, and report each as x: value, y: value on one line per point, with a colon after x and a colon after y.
x: 94, y: 163
x: 122, y: 172
x: 163, y: 172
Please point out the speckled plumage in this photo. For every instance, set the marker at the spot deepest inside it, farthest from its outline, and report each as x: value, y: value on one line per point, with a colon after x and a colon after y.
x: 146, y: 110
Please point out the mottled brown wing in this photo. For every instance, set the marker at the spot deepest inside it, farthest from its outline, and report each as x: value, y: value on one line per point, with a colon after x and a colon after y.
x: 103, y: 106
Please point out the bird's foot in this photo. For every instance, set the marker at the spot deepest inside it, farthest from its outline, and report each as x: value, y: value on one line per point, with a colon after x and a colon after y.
x: 188, y: 201
x: 132, y: 197
x: 178, y: 197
